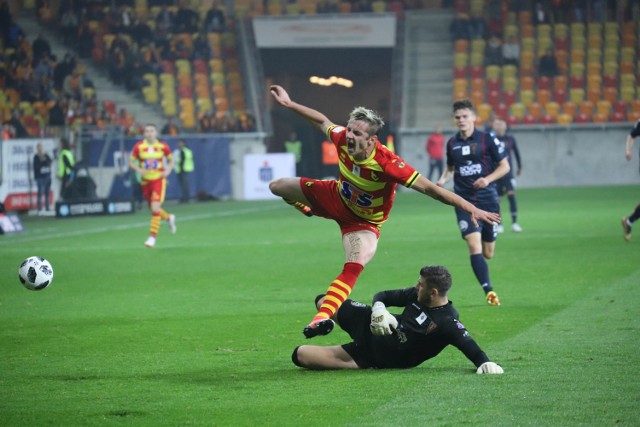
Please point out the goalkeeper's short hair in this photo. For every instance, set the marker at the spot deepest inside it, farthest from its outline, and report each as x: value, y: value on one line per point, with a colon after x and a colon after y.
x: 437, y: 276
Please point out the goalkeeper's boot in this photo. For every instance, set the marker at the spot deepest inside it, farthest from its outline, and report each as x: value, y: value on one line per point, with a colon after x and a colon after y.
x: 172, y: 224
x: 492, y: 298
x: 322, y: 327
x: 626, y: 228
x: 304, y: 209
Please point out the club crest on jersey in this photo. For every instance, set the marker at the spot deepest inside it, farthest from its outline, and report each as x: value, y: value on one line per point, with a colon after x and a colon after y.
x: 466, y: 150
x: 399, y: 163
x: 356, y: 170
x: 421, y: 319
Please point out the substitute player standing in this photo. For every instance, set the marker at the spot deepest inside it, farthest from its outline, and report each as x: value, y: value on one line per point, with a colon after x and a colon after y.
x: 362, y: 197
x: 152, y: 159
x: 476, y: 160
x: 507, y: 184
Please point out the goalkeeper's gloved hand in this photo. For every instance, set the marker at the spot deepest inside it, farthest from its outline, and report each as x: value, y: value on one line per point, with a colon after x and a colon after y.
x: 381, y: 320
x: 490, y: 368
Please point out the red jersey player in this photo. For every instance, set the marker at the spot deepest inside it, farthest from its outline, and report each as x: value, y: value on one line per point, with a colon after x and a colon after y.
x: 152, y: 159
x: 360, y: 200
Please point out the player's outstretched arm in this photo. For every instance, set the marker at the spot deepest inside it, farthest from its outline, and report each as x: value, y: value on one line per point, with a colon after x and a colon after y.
x: 314, y: 117
x: 423, y: 185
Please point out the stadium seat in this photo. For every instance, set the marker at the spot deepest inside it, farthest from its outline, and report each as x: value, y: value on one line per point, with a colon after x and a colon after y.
x: 544, y: 83
x: 460, y: 59
x: 510, y: 84
x: 547, y: 119
x: 594, y: 68
x: 493, y: 97
x: 543, y: 96
x: 527, y: 97
x: 477, y: 97
x: 610, y: 81
x: 476, y: 71
x: 604, y: 107
x: 535, y: 110
x: 509, y: 97
x: 552, y: 108
x: 576, y: 69
x: 610, y: 94
x: 570, y: 108
x: 582, y: 118
x: 560, y: 30
x: 594, y: 81
x: 617, y: 117
x: 577, y: 95
x: 585, y: 107
x: 559, y: 95
x: 564, y: 119
x: 528, y: 44
x: 562, y: 60
x: 477, y: 84
x: 484, y: 112
x: 460, y: 85
x: 594, y: 41
x: 594, y: 28
x: 594, y: 55
x: 619, y: 106
x: 527, y: 83
x: 461, y: 46
x: 578, y: 42
x: 544, y: 30
x: 501, y: 110
x: 478, y: 46
x: 460, y: 72
x: 628, y: 94
x: 576, y: 82
x: 529, y: 119
x: 493, y: 72
x: 517, y: 110
x: 593, y: 94
x: 493, y: 84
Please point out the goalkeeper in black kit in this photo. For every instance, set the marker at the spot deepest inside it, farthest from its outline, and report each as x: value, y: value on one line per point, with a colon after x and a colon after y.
x: 428, y: 324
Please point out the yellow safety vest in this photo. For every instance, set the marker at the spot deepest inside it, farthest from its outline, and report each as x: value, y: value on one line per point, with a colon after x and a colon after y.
x: 62, y: 169
x: 188, y: 160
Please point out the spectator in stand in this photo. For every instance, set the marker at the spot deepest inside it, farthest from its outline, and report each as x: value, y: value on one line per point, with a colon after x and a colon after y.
x: 511, y: 52
x: 540, y: 15
x: 207, y: 122
x: 141, y: 32
x: 493, y: 52
x: 57, y: 114
x: 186, y: 20
x: 202, y: 48
x: 40, y: 48
x: 459, y: 27
x: 477, y: 26
x: 73, y: 85
x: 170, y: 128
x: 5, y: 21
x: 19, y: 131
x: 548, y: 65
x: 215, y: 20
x: 435, y: 150
x: 69, y: 24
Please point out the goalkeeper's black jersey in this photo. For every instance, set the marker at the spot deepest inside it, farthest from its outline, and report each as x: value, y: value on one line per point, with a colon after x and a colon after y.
x: 422, y: 333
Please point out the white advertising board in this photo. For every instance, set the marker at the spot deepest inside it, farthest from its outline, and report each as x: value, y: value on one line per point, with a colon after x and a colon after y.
x: 261, y: 169
x: 325, y: 32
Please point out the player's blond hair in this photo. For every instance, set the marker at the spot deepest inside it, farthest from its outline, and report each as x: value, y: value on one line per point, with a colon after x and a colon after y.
x: 373, y: 119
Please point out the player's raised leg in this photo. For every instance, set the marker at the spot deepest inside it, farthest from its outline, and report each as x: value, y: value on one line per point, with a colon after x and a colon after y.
x: 291, y: 192
x: 360, y: 247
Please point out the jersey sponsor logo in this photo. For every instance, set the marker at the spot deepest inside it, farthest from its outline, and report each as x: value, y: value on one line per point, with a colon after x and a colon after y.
x: 357, y: 304
x: 463, y: 225
x: 399, y: 163
x: 459, y: 325
x: 470, y: 169
x: 355, y: 196
x: 421, y: 319
x: 151, y: 163
x: 466, y: 150
x: 356, y: 170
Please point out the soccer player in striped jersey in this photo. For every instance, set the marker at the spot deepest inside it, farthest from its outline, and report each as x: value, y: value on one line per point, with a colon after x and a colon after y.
x: 360, y: 200
x: 153, y: 160
x: 476, y: 160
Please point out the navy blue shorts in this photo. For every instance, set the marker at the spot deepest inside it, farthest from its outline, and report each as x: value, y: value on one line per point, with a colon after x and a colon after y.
x: 488, y: 231
x: 505, y: 184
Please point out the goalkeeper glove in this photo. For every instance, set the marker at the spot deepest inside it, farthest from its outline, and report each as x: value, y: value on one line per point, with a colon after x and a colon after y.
x: 381, y: 320
x: 490, y: 368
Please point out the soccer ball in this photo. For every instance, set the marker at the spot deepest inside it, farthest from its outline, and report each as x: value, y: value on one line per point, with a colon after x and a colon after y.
x: 35, y: 273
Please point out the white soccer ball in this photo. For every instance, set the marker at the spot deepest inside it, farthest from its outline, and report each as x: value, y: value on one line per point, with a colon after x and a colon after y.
x: 35, y: 273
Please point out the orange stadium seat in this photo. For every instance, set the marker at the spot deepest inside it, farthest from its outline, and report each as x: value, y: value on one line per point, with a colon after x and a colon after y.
x: 543, y: 96
x: 477, y: 85
x: 611, y: 94
x: 527, y: 83
x: 564, y: 119
x: 585, y: 107
x: 544, y: 83
x: 593, y: 94
x: 603, y: 107
x: 570, y: 108
x: 535, y: 110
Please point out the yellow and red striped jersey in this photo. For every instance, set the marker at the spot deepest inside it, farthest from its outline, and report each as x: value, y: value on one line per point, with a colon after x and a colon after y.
x: 368, y: 187
x: 151, y: 157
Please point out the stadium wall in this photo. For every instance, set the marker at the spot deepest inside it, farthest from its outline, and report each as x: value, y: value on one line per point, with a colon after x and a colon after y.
x: 571, y: 156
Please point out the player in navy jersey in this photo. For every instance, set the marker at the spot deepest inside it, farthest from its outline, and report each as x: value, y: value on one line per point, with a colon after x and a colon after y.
x: 627, y: 221
x: 427, y: 325
x: 476, y: 160
x: 507, y: 184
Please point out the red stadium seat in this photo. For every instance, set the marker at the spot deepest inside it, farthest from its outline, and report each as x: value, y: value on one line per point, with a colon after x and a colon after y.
x: 610, y: 80
x: 619, y: 106
x: 582, y: 118
x: 559, y: 95
x: 576, y: 82
x: 493, y: 98
x: 544, y: 83
x: 493, y: 84
x: 476, y: 72
x: 460, y: 72
x: 509, y: 97
x: 547, y: 119
x: 529, y: 119
x: 618, y: 117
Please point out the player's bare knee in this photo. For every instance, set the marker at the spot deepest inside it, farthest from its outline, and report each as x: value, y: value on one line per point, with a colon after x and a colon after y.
x: 488, y: 254
x: 298, y: 356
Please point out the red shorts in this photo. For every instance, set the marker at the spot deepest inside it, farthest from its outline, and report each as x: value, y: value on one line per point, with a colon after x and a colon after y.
x: 326, y: 202
x: 153, y: 191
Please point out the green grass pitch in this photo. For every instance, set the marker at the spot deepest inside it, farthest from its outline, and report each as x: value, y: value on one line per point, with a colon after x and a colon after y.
x: 199, y: 331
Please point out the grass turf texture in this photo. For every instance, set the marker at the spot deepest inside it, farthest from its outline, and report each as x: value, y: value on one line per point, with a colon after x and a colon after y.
x: 199, y: 331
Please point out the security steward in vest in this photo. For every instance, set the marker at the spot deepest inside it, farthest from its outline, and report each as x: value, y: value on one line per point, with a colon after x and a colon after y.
x: 184, y: 166
x: 66, y: 163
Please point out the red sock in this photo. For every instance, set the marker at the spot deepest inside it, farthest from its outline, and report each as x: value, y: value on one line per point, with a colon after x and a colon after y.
x: 339, y: 290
